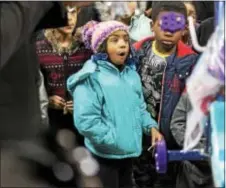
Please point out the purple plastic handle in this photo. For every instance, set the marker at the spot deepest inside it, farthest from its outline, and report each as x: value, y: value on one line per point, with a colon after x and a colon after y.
x: 161, y: 157
x: 172, y: 22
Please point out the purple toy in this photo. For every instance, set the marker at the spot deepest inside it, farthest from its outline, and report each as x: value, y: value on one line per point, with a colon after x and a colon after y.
x: 163, y: 156
x: 172, y: 22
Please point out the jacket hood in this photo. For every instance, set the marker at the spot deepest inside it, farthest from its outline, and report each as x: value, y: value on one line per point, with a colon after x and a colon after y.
x: 88, y: 68
x: 99, y: 59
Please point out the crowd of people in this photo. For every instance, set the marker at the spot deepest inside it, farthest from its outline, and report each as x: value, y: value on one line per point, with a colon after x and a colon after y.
x: 116, y: 80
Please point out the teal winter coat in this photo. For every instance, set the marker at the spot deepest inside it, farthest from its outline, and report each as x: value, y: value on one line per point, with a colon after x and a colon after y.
x: 109, y: 109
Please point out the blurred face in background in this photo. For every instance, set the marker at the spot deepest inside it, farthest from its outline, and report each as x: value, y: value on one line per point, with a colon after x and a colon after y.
x: 72, y: 13
x: 191, y: 11
x: 132, y: 5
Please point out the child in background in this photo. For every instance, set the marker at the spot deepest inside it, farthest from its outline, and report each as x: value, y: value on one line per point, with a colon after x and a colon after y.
x: 191, y: 11
x: 165, y: 64
x: 60, y: 55
x: 110, y: 109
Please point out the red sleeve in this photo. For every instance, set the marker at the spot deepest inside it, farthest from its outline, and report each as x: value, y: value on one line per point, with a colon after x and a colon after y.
x: 138, y: 45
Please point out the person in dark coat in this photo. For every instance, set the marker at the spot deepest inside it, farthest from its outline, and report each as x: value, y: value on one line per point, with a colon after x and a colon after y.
x: 205, y: 30
x: 20, y: 118
x: 88, y: 13
x: 204, y: 9
x: 19, y: 102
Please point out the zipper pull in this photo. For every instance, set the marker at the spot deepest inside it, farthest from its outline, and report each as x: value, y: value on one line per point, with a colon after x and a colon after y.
x: 65, y: 57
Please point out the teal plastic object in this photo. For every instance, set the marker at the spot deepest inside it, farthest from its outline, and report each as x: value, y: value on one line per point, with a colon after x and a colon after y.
x: 217, y: 122
x: 140, y: 27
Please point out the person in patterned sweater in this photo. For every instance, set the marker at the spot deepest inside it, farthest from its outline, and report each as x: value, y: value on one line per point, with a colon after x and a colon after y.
x: 61, y: 53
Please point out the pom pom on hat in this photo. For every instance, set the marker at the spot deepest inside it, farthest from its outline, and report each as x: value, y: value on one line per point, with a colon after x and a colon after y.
x: 95, y: 34
x: 87, y: 32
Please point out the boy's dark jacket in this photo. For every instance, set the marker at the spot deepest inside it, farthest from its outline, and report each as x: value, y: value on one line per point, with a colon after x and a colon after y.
x: 178, y: 69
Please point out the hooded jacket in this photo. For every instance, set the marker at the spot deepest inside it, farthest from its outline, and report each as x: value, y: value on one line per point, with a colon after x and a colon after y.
x: 178, y: 69
x: 109, y: 108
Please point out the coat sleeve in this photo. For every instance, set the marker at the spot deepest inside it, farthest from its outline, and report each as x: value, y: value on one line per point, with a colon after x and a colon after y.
x: 87, y: 116
x: 179, y: 118
x: 179, y: 122
x: 19, y: 21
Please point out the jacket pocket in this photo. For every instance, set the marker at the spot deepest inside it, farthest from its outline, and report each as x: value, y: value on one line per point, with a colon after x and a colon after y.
x: 109, y: 145
x: 127, y: 136
x: 180, y: 78
x: 184, y: 70
x: 138, y: 119
x: 183, y: 74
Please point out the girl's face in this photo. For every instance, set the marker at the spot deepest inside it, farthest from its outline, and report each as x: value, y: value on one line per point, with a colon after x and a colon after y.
x: 118, y: 47
x: 72, y: 14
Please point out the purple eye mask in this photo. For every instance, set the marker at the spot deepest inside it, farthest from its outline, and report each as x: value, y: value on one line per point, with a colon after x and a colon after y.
x: 172, y: 22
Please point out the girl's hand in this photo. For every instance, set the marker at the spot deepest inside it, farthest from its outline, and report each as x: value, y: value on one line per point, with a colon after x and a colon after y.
x: 156, y: 136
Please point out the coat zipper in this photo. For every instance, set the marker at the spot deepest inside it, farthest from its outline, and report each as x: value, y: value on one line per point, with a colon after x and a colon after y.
x: 162, y: 90
x: 65, y: 62
x: 121, y: 76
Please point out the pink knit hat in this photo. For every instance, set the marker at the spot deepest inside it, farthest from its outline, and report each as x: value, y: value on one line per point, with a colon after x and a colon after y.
x: 94, y: 34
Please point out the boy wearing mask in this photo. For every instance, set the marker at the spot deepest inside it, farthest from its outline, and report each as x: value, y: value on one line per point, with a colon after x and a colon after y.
x: 165, y: 63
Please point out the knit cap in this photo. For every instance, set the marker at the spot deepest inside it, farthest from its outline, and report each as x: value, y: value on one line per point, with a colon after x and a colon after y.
x: 94, y: 34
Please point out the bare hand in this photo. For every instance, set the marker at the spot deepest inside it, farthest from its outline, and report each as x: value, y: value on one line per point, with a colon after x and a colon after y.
x: 56, y: 102
x: 156, y: 136
x: 69, y: 106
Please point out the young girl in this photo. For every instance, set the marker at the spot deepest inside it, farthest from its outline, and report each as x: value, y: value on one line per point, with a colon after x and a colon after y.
x: 110, y: 109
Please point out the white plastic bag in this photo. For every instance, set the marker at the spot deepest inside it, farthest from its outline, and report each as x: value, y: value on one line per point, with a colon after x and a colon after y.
x: 140, y: 27
x: 204, y: 83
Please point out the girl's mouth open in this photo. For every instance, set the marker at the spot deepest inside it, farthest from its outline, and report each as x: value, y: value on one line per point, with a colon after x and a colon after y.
x: 122, y: 54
